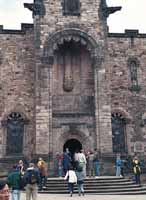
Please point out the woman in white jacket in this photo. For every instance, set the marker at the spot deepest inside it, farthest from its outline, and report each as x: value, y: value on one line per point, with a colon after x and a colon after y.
x: 71, y: 178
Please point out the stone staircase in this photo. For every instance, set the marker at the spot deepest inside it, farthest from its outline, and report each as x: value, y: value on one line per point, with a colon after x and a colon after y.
x: 101, y: 185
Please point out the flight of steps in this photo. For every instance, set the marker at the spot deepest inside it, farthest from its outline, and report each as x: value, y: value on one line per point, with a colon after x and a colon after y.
x: 101, y: 185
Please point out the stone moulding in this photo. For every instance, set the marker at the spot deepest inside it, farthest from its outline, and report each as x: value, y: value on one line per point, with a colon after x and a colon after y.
x: 54, y: 40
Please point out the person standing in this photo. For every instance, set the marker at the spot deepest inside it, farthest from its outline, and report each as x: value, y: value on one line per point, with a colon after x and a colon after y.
x: 71, y: 178
x: 20, y: 167
x: 43, y: 173
x: 91, y: 163
x: 82, y: 161
x: 4, y: 191
x: 96, y: 162
x: 60, y: 168
x: 80, y: 180
x: 136, y: 170
x: 32, y: 180
x: 66, y: 162
x: 118, y: 165
x: 14, y: 182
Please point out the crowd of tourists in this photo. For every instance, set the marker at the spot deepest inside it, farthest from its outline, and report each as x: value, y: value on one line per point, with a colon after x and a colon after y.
x: 31, y: 179
x: 72, y: 167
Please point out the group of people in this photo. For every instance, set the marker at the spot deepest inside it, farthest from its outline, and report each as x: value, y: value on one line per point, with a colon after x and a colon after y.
x: 136, y: 168
x: 72, y: 167
x: 30, y: 178
x: 89, y: 162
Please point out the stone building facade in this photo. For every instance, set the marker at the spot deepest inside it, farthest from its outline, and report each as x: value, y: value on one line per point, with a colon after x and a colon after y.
x: 66, y: 82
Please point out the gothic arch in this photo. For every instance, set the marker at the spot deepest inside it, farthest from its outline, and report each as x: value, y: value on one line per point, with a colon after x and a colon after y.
x: 78, y: 135
x: 74, y: 34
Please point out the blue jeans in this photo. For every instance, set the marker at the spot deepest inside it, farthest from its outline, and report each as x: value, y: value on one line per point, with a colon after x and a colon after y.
x: 43, y: 181
x: 60, y: 172
x: 137, y: 178
x: 96, y: 166
x: 118, y: 170
x: 71, y: 187
x: 15, y: 194
x: 80, y: 187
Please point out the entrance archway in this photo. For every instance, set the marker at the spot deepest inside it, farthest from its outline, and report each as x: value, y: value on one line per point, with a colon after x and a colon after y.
x: 73, y: 145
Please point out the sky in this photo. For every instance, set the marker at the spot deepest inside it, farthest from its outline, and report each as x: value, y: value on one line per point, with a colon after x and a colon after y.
x: 132, y: 15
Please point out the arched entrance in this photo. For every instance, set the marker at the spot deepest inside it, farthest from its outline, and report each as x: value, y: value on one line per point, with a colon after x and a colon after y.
x: 73, y: 145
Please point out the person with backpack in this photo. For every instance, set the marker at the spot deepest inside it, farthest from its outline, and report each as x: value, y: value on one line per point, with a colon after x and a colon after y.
x: 14, y: 182
x: 71, y: 178
x: 136, y: 170
x: 32, y: 180
x: 82, y: 160
x: 80, y: 180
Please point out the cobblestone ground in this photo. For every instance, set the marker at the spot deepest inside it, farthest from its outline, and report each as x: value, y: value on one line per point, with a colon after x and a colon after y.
x: 86, y: 197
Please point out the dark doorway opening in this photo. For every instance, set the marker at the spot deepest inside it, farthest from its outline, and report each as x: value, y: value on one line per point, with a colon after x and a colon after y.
x: 73, y: 145
x: 15, y: 133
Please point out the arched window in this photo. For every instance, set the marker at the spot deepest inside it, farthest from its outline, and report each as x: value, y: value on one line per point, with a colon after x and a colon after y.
x: 15, y: 132
x: 118, y: 133
x: 133, y: 64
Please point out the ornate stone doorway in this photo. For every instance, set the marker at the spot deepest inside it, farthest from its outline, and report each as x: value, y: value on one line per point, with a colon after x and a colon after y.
x: 73, y: 145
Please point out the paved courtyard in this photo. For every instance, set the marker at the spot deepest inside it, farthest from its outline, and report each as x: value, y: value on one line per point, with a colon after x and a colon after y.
x: 87, y: 197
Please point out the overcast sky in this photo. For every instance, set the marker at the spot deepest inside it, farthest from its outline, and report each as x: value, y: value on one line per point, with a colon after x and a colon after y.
x: 132, y: 15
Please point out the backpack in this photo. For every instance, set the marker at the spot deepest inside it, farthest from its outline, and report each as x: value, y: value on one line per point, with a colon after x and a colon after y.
x: 32, y: 177
x: 23, y: 182
x: 79, y: 168
x: 137, y: 170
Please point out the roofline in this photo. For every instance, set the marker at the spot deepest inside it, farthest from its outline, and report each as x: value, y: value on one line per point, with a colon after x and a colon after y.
x: 23, y: 30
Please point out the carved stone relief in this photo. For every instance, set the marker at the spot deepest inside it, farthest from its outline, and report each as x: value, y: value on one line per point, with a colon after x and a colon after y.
x: 71, y: 7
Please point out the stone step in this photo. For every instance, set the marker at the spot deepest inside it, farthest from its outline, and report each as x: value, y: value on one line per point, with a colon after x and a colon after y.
x: 101, y: 185
x: 93, y: 184
x: 94, y: 187
x: 99, y: 180
x: 101, y: 191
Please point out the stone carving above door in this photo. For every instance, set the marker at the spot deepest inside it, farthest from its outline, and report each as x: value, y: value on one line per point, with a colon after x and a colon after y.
x: 71, y: 7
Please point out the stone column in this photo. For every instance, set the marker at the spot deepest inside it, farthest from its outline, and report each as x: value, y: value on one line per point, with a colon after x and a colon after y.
x: 44, y: 108
x: 102, y: 109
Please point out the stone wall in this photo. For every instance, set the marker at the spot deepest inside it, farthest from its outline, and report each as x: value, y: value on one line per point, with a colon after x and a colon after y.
x: 130, y: 103
x: 54, y: 28
x: 29, y: 83
x: 17, y: 71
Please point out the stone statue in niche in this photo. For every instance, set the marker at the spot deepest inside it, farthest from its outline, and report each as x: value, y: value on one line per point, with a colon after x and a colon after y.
x: 68, y: 83
x: 71, y: 7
